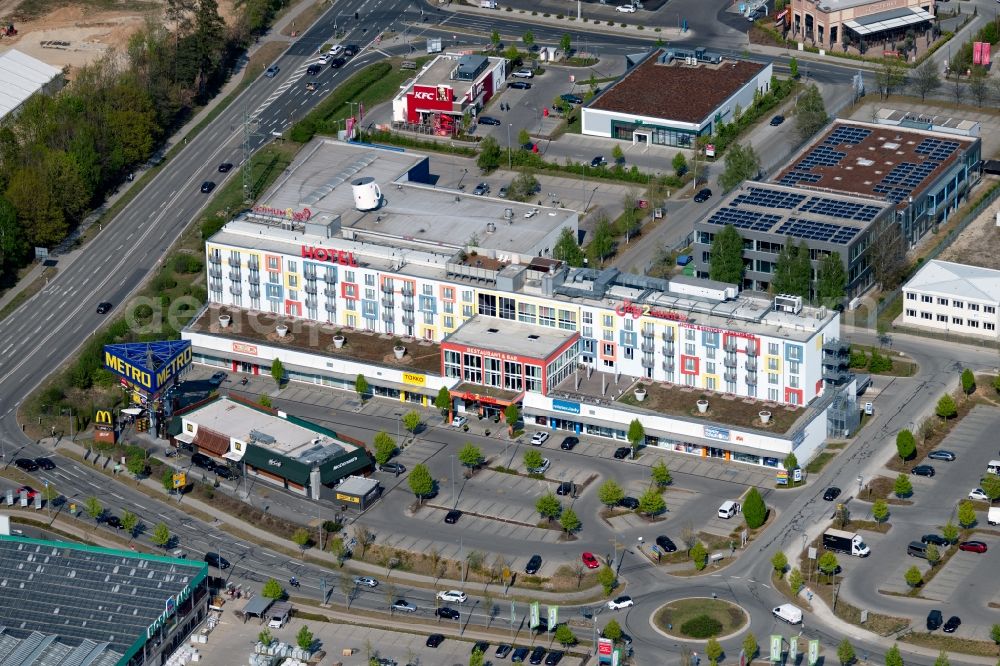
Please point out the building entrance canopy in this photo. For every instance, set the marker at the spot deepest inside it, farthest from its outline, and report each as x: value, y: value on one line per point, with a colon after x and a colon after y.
x: 893, y: 19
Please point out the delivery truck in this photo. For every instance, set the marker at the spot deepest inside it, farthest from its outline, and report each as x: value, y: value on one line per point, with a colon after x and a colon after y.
x: 789, y: 613
x: 993, y: 515
x: 840, y: 541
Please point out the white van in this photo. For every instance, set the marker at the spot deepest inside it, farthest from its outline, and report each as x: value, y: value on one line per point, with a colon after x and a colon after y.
x: 993, y: 467
x: 993, y: 515
x: 729, y: 509
x: 789, y: 613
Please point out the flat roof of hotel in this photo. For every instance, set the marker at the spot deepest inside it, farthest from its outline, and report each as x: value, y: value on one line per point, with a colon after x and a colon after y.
x: 511, y: 337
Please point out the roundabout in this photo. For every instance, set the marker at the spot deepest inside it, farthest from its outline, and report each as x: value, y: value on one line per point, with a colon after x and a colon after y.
x: 699, y: 618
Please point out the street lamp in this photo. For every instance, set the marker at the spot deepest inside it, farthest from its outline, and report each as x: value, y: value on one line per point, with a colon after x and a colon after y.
x: 509, y: 156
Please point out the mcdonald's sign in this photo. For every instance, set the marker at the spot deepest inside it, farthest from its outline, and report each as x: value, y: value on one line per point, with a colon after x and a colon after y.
x: 104, y: 426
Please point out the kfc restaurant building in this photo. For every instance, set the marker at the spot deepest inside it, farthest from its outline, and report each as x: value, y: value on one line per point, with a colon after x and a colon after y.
x: 448, y: 88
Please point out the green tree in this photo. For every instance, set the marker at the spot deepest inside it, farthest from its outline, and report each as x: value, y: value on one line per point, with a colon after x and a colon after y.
x: 272, y: 589
x: 264, y: 400
x: 754, y: 509
x: 618, y: 155
x: 925, y: 79
x: 636, y: 435
x: 946, y: 407
x: 130, y: 522
x: 906, y: 445
x: 780, y: 562
x: 523, y: 137
x: 385, y: 447
x: 608, y: 580
x: 968, y: 382
x: 305, y: 639
x: 421, y: 482
x: 565, y: 636
x: 528, y: 39
x: 302, y: 538
x: 610, y: 493
x: 602, y: 244
x: 361, y: 386
x: 167, y: 479
x: 548, y: 506
x: 660, y: 474
x: 726, y: 256
x: 94, y: 508
x: 135, y: 462
x: 277, y: 371
x: 793, y: 67
x: 795, y: 580
x: 996, y: 383
x: 652, y: 503
x: 495, y: 38
x: 845, y: 652
x: 913, y: 576
x: 567, y: 249
x: 827, y: 563
x: 995, y: 634
x: 476, y: 658
x: 790, y: 462
x: 942, y: 659
x: 810, y: 112
x: 612, y: 630
x: 565, y: 43
x: 443, y: 400
x: 902, y: 486
x: 512, y: 415
x: 932, y: 554
x: 950, y: 532
x: 569, y: 521
x: 713, y: 650
x: 741, y: 163
x: 991, y: 486
x: 161, y: 535
x: 880, y: 511
x: 893, y: 657
x: 831, y: 284
x: 699, y: 555
x: 750, y: 646
x: 411, y: 421
x: 966, y: 514
x: 471, y: 456
x: 489, y: 154
x: 533, y: 459
x: 680, y: 164
x: 793, y: 270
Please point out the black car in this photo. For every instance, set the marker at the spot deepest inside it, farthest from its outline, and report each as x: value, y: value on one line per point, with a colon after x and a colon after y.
x: 104, y: 307
x: 519, y: 655
x: 520, y: 85
x: 704, y: 194
x: 598, y: 161
x: 446, y: 613
x: 568, y: 443
x: 45, y: 463
x: 832, y: 493
x: 530, y: 146
x: 923, y: 470
x: 393, y: 467
x: 481, y: 646
x: 225, y: 167
x: 533, y: 565
x: 572, y: 99
x: 452, y: 516
x: 537, y: 655
x: 351, y: 50
x: 314, y: 69
x: 488, y: 120
x: 225, y: 471
x: 622, y: 452
x: 502, y: 651
x: 629, y: 503
x: 946, y: 456
x: 934, y: 539
x: 565, y: 488
x: 217, y: 378
x: 207, y: 187
x: 203, y: 461
x: 664, y: 543
x: 952, y: 624
x: 337, y: 63
x: 216, y: 560
x: 113, y: 521
x: 434, y: 640
x: 934, y: 620
x: 777, y: 120
x: 554, y: 658
x: 26, y: 465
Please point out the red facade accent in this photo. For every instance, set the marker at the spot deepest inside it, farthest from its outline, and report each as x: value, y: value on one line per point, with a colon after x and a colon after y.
x: 684, y: 360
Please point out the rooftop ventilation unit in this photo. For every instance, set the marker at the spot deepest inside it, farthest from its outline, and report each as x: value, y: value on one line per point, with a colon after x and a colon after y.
x: 788, y: 303
x: 261, y: 437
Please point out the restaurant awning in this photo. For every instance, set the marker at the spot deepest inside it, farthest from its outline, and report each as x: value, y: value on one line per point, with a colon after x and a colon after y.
x: 888, y: 20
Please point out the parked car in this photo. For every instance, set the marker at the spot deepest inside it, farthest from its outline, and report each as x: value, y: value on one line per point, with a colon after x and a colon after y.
x: 404, y: 606
x: 452, y: 595
x: 45, y: 463
x: 946, y: 456
x: 554, y: 657
x: 934, y: 539
x: 447, y: 613
x: 623, y: 452
x: 777, y: 120
x: 572, y: 99
x: 934, y: 620
x: 544, y: 467
x: 621, y: 602
x: 480, y: 646
x: 452, y: 516
x: 519, y: 85
x: 923, y: 470
x: 337, y: 63
x: 202, y: 461
x: 393, y: 467
x: 952, y: 624
x: 537, y: 655
x: 565, y: 488
x: 665, y: 544
x: 434, y: 640
x: 366, y: 581
x: 482, y: 189
x: 533, y: 565
x: 568, y: 443
x: 704, y: 194
x: 598, y: 161
x: 973, y: 546
x: 217, y: 561
x: 488, y: 120
x: 625, y: 9
x: 104, y: 307
x: 539, y: 438
x: 113, y: 522
x: 832, y: 493
x: 26, y: 465
x: 217, y: 378
x: 207, y: 187
x: 272, y: 71
x: 225, y: 167
x: 630, y: 503
x: 459, y: 421
x: 502, y: 192
x: 978, y: 494
x: 524, y: 73
x: 502, y: 651
x: 590, y: 561
x: 529, y: 146
x: 519, y: 655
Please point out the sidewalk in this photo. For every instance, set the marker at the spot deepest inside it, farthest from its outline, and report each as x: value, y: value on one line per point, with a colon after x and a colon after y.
x: 68, y: 250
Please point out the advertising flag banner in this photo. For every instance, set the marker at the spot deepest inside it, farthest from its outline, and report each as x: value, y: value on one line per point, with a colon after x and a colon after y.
x: 533, y: 620
x: 775, y: 648
x: 513, y: 613
x: 813, y: 652
x: 793, y: 649
x: 553, y: 617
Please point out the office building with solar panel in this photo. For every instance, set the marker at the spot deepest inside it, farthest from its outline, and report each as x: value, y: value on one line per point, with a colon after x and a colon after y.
x: 67, y: 603
x: 841, y: 192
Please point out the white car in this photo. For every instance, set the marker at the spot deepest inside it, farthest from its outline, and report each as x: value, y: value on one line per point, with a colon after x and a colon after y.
x: 625, y: 9
x: 546, y: 463
x: 336, y: 50
x: 978, y: 494
x: 325, y: 58
x: 621, y: 602
x: 456, y: 596
x: 459, y: 421
x: 524, y: 74
x: 365, y: 581
x: 539, y: 438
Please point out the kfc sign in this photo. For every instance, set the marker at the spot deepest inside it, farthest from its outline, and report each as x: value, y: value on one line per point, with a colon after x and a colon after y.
x: 422, y: 94
x: 333, y: 256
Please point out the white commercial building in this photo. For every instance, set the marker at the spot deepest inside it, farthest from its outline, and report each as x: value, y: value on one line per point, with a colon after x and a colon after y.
x: 21, y: 76
x: 953, y: 298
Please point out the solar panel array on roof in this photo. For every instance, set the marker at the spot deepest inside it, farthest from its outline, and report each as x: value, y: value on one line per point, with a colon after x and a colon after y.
x: 796, y: 176
x: 818, y: 231
x: 936, y: 149
x: 904, y: 178
x: 758, y: 196
x: 744, y: 219
x: 847, y: 210
x: 846, y: 134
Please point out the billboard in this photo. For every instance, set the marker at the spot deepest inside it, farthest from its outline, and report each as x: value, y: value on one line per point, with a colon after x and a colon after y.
x: 104, y: 426
x: 148, y: 365
x: 981, y: 53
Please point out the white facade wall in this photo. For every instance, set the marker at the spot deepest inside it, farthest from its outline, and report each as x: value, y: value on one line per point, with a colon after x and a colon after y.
x: 947, y: 314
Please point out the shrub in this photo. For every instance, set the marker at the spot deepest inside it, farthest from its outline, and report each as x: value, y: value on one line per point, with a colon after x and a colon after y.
x: 701, y: 626
x: 754, y: 509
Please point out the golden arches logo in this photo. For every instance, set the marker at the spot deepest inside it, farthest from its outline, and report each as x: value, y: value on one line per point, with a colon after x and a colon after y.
x: 103, y: 417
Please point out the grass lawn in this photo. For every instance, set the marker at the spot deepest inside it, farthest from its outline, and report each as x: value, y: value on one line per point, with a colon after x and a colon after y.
x: 817, y: 464
x: 730, y: 616
x: 952, y: 643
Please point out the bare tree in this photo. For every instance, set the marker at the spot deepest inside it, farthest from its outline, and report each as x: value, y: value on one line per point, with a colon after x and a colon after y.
x: 579, y: 571
x: 435, y: 557
x: 958, y: 90
x: 887, y: 252
x: 364, y: 536
x: 978, y: 85
x: 925, y: 79
x: 489, y: 606
x: 348, y: 587
x: 890, y: 77
x: 390, y: 595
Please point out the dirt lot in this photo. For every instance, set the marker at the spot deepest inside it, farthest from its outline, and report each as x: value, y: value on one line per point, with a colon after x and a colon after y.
x: 74, y: 34
x: 979, y: 243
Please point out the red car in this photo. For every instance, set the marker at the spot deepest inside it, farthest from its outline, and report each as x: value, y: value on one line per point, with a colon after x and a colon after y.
x: 590, y: 561
x: 31, y: 492
x: 973, y: 546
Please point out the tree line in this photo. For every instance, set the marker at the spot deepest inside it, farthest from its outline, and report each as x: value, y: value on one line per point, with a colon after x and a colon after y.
x: 62, y: 155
